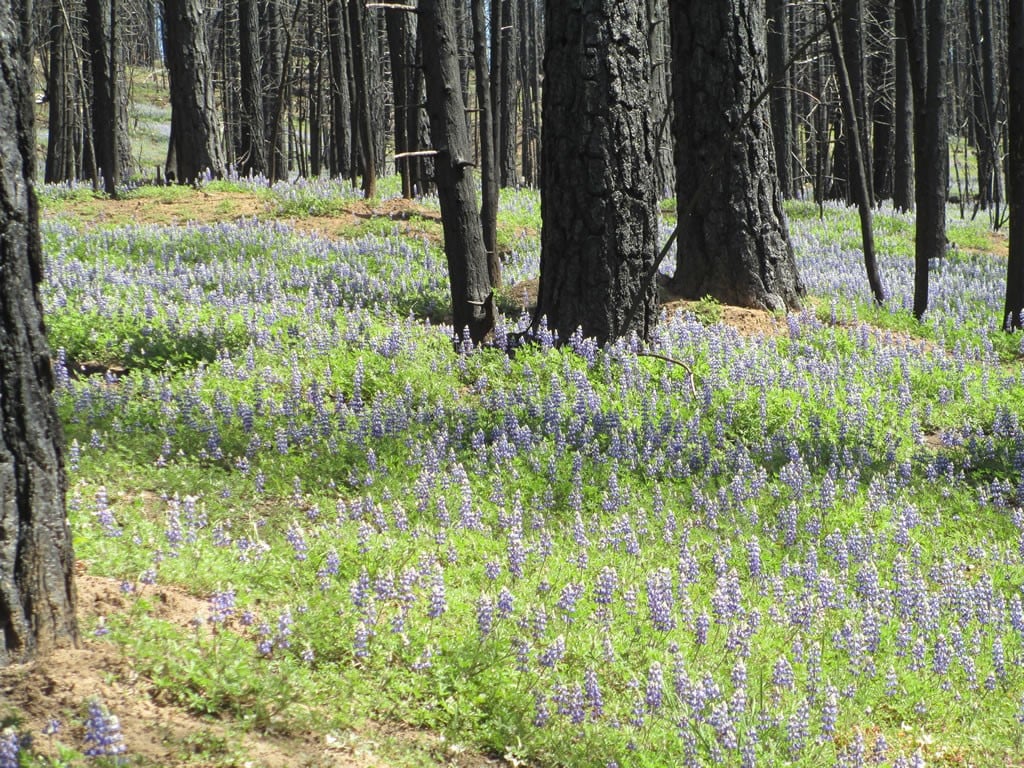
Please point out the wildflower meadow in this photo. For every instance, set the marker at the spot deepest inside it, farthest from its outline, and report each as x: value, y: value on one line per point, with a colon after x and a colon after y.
x: 796, y: 547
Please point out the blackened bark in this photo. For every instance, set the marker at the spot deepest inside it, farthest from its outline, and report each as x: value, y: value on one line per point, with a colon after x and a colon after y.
x: 195, y: 126
x: 1013, y: 312
x: 495, y: 73
x: 858, y: 176
x: 398, y: 23
x: 659, y: 42
x: 852, y: 25
x: 273, y: 34
x: 509, y: 112
x: 362, y: 99
x: 903, y: 162
x: 488, y: 171
x: 985, y: 106
x: 528, y: 77
x: 37, y: 590
x: 880, y: 40
x: 252, y: 155
x: 733, y: 239
x: 103, y: 24
x: 927, y: 46
x: 341, y: 103
x: 598, y: 204
x: 64, y: 97
x: 472, y: 300
x: 782, y: 94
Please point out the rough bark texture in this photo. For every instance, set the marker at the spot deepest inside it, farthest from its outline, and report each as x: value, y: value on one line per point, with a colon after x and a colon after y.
x: 252, y: 156
x: 195, y: 126
x: 659, y: 41
x: 508, y: 114
x: 398, y: 23
x: 598, y: 202
x: 64, y: 92
x: 985, y: 107
x: 733, y: 239
x: 472, y: 301
x: 1013, y: 313
x: 37, y: 592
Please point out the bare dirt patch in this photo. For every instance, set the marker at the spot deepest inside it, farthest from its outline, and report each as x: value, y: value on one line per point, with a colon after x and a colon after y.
x: 159, y: 734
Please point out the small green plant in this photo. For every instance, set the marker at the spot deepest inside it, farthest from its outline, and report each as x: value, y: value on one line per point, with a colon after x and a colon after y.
x: 708, y: 310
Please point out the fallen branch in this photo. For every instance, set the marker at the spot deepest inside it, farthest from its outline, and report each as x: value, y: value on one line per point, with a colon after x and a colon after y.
x: 680, y: 363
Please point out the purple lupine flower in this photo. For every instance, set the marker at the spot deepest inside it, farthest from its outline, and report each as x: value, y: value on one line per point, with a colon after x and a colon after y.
x: 506, y: 603
x: 570, y: 595
x: 592, y: 694
x: 607, y: 584
x: 554, y: 653
x: 782, y: 674
x: 797, y: 729
x: 10, y: 748
x: 654, y: 693
x: 703, y: 623
x: 484, y: 615
x: 660, y: 600
x: 102, y: 732
x: 296, y: 537
x: 724, y: 724
x: 541, y: 712
x: 438, y: 601
x: 222, y: 606
x: 829, y: 713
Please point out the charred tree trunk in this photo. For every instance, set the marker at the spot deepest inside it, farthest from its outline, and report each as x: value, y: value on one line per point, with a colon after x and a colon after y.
x: 927, y: 46
x: 508, y: 114
x: 880, y: 40
x: 398, y: 23
x: 782, y: 94
x: 65, y: 98
x: 104, y: 56
x: 733, y: 239
x: 195, y: 127
x: 598, y: 205
x: 472, y: 300
x: 985, y: 106
x: 1013, y: 312
x: 362, y: 99
x: 252, y: 154
x: 488, y: 171
x: 852, y: 25
x: 858, y: 176
x: 341, y: 104
x: 659, y: 42
x: 37, y: 590
x: 273, y: 35
x: 903, y: 162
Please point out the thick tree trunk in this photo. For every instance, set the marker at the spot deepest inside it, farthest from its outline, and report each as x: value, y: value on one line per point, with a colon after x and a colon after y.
x: 1013, y: 312
x: 782, y: 94
x: 472, y: 300
x: 852, y: 25
x: 273, y: 74
x: 341, y: 103
x: 37, y: 590
x: 903, y: 162
x: 195, y: 126
x: 252, y: 155
x: 733, y: 239
x: 104, y: 55
x: 927, y: 46
x: 362, y: 100
x: 598, y: 203
x: 488, y: 171
x: 985, y: 117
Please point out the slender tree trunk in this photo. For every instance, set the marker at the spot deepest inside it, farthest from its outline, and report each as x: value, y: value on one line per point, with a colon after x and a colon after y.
x: 903, y: 162
x: 1013, y: 312
x: 273, y: 73
x: 598, y: 204
x: 194, y: 146
x: 659, y: 42
x: 37, y: 589
x: 472, y: 300
x: 314, y: 80
x: 488, y: 171
x: 883, y: 96
x: 782, y: 94
x: 508, y: 114
x: 985, y: 105
x: 362, y: 100
x: 398, y: 23
x: 927, y: 45
x: 858, y: 176
x: 64, y: 91
x: 252, y: 155
x: 733, y: 238
x: 497, y: 62
x: 852, y: 24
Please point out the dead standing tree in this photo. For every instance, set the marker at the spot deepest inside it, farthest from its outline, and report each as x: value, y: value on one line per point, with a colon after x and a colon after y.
x: 472, y: 300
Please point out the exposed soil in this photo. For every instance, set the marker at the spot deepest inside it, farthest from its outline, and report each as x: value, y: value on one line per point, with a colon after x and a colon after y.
x: 159, y: 734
